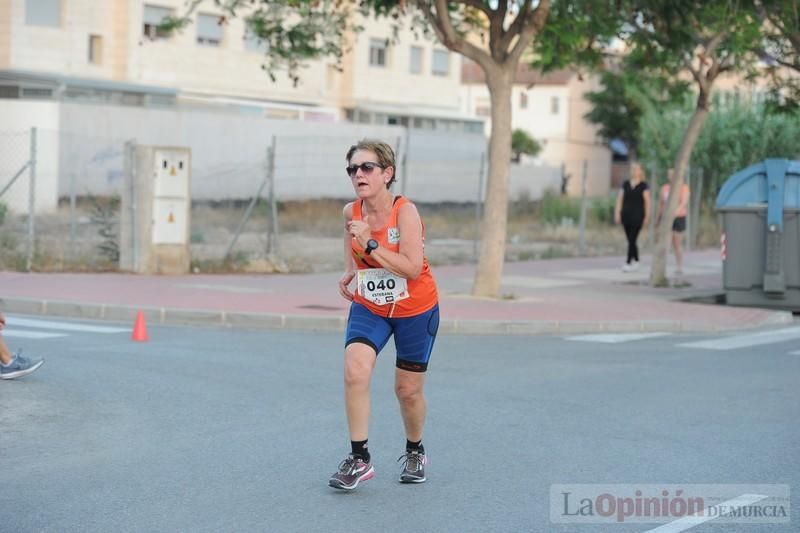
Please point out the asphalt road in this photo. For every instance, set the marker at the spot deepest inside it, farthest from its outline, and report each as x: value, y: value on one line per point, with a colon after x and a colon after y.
x: 233, y: 430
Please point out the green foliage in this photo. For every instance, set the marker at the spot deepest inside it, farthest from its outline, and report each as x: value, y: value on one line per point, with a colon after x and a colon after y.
x: 522, y: 143
x: 733, y: 138
x: 553, y: 208
x: 3, y: 212
x: 601, y: 210
x: 624, y: 98
x: 577, y: 34
x: 104, y: 214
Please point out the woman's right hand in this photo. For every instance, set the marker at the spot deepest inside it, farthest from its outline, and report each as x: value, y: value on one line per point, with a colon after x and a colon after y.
x: 617, y: 218
x: 344, y: 285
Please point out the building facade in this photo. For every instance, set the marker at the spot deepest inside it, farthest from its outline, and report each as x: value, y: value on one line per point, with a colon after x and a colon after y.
x: 550, y: 108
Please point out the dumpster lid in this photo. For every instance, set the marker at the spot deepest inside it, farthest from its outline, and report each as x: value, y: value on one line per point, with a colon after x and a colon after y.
x: 752, y: 186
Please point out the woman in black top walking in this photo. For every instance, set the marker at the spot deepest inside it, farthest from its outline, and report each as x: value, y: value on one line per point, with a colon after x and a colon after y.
x: 633, y: 211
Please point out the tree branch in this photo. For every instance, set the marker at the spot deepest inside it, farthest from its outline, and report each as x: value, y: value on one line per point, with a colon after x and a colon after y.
x: 443, y: 28
x: 534, y: 23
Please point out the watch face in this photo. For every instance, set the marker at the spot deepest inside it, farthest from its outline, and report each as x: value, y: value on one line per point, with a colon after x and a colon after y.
x: 371, y: 245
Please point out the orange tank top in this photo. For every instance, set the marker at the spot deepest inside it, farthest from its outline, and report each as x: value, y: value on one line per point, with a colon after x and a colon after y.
x: 422, y: 293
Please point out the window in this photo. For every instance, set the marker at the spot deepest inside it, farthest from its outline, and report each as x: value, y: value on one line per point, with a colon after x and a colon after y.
x: 554, y: 105
x: 209, y: 30
x: 153, y: 16
x: 95, y: 50
x: 523, y: 100
x: 43, y: 13
x: 253, y: 43
x: 377, y: 52
x: 483, y: 107
x: 441, y: 63
x: 37, y: 93
x: 415, y: 65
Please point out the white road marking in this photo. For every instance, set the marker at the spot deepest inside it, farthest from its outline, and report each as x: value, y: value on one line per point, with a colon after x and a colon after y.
x: 25, y: 334
x: 538, y: 282
x: 688, y: 522
x: 749, y: 339
x: 62, y: 326
x: 613, y: 338
x: 224, y: 288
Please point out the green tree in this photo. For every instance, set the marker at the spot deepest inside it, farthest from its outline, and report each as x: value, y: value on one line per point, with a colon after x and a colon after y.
x: 733, y: 138
x: 522, y: 143
x: 495, y: 35
x: 693, y: 39
x: 782, y: 48
x: 625, y: 96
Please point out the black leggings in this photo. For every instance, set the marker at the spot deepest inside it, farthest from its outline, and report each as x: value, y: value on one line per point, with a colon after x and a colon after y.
x: 632, y: 229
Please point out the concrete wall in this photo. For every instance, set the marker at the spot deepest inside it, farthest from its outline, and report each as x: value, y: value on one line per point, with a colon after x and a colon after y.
x: 82, y: 152
x: 18, y: 117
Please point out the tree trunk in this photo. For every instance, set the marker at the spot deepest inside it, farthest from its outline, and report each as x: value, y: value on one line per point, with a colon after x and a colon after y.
x: 493, y: 229
x: 658, y: 273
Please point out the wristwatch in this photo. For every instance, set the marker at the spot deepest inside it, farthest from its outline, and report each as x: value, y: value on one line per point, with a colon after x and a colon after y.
x: 372, y: 244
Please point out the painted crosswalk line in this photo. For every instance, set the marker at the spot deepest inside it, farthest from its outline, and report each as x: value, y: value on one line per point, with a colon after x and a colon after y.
x: 14, y: 322
x: 613, y: 338
x: 26, y: 334
x: 733, y: 342
x: 688, y: 522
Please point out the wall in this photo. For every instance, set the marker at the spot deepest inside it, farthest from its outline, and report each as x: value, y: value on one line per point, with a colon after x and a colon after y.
x: 394, y: 84
x: 229, y: 150
x: 5, y: 33
x: 64, y: 49
x: 18, y: 119
x: 229, y: 69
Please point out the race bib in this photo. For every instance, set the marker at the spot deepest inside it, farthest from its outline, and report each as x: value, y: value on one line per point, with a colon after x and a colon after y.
x: 381, y: 287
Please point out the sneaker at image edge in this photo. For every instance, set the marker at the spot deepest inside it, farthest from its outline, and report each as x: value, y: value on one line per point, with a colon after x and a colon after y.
x: 350, y: 473
x: 19, y: 366
x: 413, y: 467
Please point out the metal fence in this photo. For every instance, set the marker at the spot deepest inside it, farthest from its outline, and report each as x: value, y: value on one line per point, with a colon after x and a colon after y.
x: 61, y: 191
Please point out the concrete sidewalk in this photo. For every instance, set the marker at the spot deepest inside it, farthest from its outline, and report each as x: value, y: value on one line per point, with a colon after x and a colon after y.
x: 576, y: 295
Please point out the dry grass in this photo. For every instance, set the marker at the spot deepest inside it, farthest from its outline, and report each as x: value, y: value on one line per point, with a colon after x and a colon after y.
x: 310, y: 236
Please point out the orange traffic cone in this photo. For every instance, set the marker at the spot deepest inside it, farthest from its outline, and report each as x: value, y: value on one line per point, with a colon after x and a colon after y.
x: 139, y: 328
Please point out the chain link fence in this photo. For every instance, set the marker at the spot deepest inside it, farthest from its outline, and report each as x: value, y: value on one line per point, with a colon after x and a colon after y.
x: 273, y: 203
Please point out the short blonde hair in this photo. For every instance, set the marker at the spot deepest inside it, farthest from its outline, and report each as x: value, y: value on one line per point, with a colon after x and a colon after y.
x: 383, y: 151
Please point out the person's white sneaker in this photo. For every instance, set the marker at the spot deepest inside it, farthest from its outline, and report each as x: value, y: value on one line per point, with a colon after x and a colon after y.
x: 630, y: 267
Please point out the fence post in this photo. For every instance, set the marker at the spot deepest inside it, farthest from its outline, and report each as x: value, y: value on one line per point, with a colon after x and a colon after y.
x: 404, y: 164
x: 31, y: 201
x: 72, y: 221
x: 479, y: 206
x: 272, y: 244
x: 582, y: 225
x: 129, y: 169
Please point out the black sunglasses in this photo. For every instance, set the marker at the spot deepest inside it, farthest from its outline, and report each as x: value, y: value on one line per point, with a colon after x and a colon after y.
x: 366, y: 168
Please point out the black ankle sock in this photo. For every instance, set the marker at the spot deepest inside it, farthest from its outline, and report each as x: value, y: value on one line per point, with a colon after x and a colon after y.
x: 360, y: 449
x: 414, y: 446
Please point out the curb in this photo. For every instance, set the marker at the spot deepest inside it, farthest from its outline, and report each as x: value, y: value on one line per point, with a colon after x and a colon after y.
x: 235, y: 319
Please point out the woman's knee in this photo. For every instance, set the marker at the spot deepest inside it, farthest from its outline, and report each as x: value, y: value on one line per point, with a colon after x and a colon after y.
x: 358, y: 363
x: 408, y: 391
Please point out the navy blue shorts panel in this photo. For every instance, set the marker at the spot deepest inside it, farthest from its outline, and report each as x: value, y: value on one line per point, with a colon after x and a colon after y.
x: 679, y: 224
x: 413, y: 336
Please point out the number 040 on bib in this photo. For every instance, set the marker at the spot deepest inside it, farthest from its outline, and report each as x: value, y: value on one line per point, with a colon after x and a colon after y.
x: 381, y: 287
